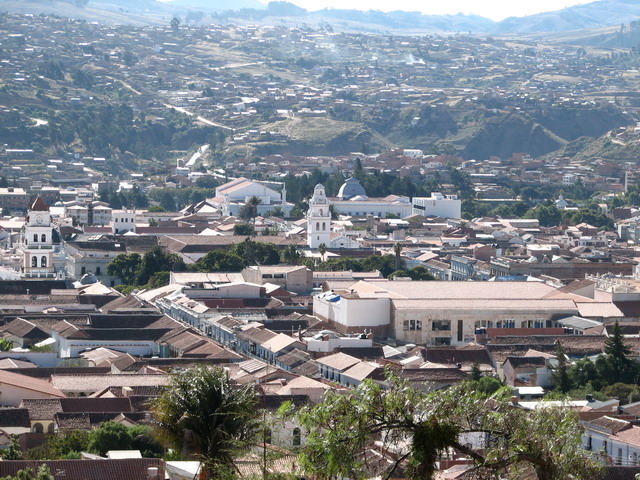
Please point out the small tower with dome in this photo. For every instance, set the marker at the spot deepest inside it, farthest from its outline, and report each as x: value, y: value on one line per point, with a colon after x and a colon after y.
x: 318, y: 219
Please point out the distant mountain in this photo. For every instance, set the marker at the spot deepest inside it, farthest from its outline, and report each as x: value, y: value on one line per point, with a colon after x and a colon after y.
x: 589, y: 16
x: 597, y: 14
x: 217, y: 5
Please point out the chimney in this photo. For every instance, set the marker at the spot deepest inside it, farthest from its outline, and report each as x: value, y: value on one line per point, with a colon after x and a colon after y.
x: 152, y: 473
x: 514, y: 400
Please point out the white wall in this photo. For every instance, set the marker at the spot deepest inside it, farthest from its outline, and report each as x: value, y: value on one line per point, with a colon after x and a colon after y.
x: 355, y: 312
x: 41, y: 359
x: 342, y: 342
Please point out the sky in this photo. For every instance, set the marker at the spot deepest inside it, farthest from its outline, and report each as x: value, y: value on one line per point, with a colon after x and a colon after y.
x: 494, y: 9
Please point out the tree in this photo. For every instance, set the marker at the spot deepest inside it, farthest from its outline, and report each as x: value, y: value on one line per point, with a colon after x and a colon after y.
x: 5, y: 344
x: 291, y: 254
x: 109, y: 436
x: 617, y: 365
x: 125, y: 267
x: 561, y: 378
x: 419, y: 427
x: 397, y: 250
x: 322, y: 250
x: 256, y: 253
x: 476, y: 373
x: 245, y: 229
x: 250, y: 209
x: 204, y: 416
x: 13, y: 452
x: 157, y: 260
x: 221, y: 261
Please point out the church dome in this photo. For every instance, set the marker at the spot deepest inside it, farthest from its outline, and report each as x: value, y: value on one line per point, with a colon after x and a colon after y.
x: 351, y: 188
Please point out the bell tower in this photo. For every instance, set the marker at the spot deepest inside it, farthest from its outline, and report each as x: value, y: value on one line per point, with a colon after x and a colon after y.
x: 36, y: 242
x: 318, y: 219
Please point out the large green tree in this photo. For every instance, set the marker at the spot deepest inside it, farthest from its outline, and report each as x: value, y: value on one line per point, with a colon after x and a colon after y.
x: 126, y: 267
x: 157, y: 260
x: 204, y: 416
x: 221, y: 261
x: 420, y: 427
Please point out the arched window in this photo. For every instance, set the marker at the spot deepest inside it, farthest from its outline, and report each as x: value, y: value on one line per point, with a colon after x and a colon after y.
x: 37, y: 428
x: 51, y: 428
x: 296, y: 437
x: 34, y: 261
x: 43, y: 261
x: 35, y: 237
x: 317, y: 225
x: 321, y: 212
x: 43, y: 238
x: 324, y: 226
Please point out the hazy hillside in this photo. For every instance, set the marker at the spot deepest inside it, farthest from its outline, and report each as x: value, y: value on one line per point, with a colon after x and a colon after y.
x: 597, y: 14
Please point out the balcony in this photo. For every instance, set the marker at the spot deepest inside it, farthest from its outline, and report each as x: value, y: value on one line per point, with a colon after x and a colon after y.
x: 35, y: 246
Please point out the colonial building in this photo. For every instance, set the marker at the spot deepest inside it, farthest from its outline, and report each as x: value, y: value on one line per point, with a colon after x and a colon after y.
x: 37, y: 243
x: 233, y: 195
x: 318, y: 219
x: 353, y: 200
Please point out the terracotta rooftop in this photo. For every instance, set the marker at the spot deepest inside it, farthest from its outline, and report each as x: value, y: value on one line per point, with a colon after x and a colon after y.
x: 104, y: 469
x: 39, y: 205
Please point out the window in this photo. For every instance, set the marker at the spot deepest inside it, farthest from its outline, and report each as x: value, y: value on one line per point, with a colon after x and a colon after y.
x: 589, y: 443
x: 317, y: 225
x: 606, y: 446
x: 412, y: 325
x: 43, y: 261
x: 51, y: 428
x: 442, y: 341
x: 37, y: 428
x: 296, y: 437
x: 324, y: 226
x: 35, y: 237
x: 98, y: 271
x: 83, y: 270
x: 34, y: 261
x: 43, y: 238
x: 441, y: 325
x: 619, y: 458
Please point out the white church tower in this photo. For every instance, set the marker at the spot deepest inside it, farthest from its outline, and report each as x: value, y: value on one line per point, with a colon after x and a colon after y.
x: 318, y: 219
x: 36, y: 242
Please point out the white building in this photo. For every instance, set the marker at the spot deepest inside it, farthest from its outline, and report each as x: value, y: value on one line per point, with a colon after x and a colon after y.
x: 233, y: 195
x: 123, y: 221
x: 438, y: 205
x: 353, y: 200
x: 318, y: 219
x: 36, y: 242
x: 440, y: 313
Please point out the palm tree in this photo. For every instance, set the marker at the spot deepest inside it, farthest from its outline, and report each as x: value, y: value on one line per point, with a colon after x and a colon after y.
x: 397, y: 249
x: 204, y: 416
x: 291, y: 254
x: 250, y: 209
x: 322, y: 250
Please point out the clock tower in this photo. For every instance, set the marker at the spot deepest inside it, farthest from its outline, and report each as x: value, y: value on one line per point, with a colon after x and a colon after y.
x: 36, y: 242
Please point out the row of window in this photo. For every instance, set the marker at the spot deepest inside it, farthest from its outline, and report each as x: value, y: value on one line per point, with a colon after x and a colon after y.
x: 436, y: 325
x: 43, y: 262
x: 43, y: 237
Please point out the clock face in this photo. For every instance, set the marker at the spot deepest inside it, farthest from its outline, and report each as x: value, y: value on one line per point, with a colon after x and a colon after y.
x: 39, y: 219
